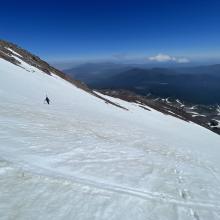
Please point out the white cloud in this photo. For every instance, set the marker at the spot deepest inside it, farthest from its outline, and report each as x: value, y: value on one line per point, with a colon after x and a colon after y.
x: 161, y: 58
x: 167, y: 58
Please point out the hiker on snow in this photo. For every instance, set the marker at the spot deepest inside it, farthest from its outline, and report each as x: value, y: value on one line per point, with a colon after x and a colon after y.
x: 47, y: 100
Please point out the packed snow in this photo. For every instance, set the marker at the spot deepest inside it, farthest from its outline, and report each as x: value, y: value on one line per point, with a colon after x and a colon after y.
x: 81, y: 158
x: 13, y: 52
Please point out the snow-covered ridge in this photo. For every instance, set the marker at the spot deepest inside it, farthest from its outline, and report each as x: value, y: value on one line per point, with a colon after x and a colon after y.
x: 13, y: 53
x: 20, y: 57
x: 83, y: 158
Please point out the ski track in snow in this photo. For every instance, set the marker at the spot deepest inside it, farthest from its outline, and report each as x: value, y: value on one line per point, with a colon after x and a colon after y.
x: 80, y: 158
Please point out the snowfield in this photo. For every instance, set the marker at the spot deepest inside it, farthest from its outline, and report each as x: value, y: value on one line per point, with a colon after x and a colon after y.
x: 81, y: 158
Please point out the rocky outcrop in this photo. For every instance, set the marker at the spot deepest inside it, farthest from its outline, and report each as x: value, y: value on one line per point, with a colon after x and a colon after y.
x: 201, y: 115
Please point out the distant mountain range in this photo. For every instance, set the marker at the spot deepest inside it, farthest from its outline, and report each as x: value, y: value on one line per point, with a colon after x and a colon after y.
x: 93, y: 73
x: 200, y: 84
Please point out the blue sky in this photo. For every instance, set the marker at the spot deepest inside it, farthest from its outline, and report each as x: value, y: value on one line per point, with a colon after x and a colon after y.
x: 119, y: 30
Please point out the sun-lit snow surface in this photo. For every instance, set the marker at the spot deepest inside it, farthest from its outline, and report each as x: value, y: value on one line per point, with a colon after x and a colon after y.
x: 80, y: 158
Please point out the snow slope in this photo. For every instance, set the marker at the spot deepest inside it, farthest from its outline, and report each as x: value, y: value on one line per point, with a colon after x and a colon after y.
x: 81, y: 158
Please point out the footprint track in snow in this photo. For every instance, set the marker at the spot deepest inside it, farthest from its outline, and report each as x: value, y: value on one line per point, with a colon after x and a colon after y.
x: 184, y: 193
x: 194, y: 214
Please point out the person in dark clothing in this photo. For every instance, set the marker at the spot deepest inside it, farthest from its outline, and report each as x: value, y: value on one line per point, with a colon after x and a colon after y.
x: 47, y: 100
